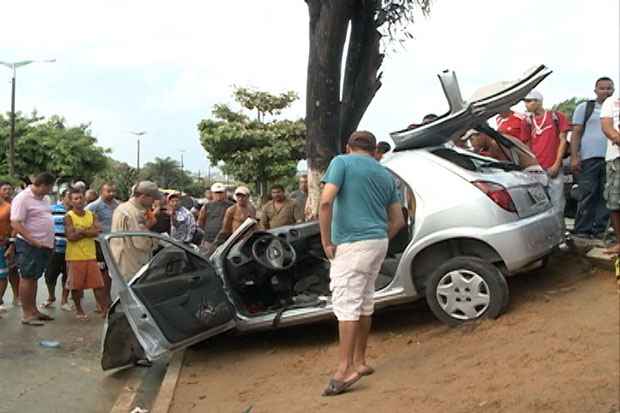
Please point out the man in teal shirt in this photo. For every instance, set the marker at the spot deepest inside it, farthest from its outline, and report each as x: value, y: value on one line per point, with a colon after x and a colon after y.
x: 359, y: 211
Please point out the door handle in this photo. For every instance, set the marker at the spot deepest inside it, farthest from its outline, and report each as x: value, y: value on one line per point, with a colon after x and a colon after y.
x: 195, y: 279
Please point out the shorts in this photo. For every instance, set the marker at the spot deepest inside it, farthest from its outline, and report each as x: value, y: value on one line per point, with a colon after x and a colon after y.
x: 4, y: 266
x: 32, y: 261
x: 612, y: 185
x: 84, y: 275
x: 353, y: 273
x: 56, y: 266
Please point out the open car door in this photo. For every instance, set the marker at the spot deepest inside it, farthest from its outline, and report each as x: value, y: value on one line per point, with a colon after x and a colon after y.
x: 168, y: 298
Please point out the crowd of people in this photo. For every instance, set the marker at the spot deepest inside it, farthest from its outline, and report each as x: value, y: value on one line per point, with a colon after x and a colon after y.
x: 585, y: 146
x: 57, y: 241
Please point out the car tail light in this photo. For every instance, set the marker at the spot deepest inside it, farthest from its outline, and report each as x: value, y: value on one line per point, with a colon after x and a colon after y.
x: 497, y: 193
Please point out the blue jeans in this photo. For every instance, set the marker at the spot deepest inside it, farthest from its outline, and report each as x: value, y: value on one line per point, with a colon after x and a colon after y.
x: 592, y: 213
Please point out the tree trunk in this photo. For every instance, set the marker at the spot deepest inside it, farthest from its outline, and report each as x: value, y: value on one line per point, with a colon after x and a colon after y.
x: 328, y: 30
x: 364, y: 59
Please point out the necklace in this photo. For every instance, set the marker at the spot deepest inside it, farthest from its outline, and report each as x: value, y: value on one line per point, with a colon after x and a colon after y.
x: 539, y: 128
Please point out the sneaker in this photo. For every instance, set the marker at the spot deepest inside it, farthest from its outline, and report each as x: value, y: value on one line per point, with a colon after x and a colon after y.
x: 66, y: 307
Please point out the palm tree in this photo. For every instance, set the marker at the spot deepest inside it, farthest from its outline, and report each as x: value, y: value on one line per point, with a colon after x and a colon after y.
x: 166, y: 172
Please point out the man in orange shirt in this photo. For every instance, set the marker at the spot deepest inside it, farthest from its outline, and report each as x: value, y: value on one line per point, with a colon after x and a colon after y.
x: 6, y: 249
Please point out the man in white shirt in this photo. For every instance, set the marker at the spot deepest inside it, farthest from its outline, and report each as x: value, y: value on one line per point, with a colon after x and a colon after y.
x: 610, y: 114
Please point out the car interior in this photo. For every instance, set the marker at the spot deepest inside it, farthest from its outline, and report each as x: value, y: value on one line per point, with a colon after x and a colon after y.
x: 301, y: 278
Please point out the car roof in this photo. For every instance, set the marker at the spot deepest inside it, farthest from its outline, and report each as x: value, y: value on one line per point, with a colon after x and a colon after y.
x: 487, y: 102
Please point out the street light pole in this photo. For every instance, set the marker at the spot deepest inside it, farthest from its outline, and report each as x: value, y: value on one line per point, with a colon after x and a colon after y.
x: 139, y: 135
x: 12, y: 132
x: 13, y: 66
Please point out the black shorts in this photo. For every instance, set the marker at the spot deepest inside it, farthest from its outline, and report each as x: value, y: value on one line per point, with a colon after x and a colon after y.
x: 32, y: 261
x: 57, y: 265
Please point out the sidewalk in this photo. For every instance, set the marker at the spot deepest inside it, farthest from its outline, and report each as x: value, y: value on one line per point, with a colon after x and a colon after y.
x: 36, y: 379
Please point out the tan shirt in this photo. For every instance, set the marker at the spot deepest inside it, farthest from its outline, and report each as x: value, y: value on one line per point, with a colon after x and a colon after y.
x: 235, y: 216
x: 288, y: 214
x: 130, y: 253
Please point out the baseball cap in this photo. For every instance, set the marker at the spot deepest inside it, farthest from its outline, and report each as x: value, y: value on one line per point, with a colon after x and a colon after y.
x: 534, y: 95
x: 363, y: 140
x: 218, y: 187
x: 243, y: 190
x: 148, y: 188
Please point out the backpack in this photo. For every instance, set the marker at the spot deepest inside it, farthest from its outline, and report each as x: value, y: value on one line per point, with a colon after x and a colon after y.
x: 589, y: 110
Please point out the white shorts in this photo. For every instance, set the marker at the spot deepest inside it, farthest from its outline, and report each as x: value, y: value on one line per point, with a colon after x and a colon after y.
x: 353, y: 273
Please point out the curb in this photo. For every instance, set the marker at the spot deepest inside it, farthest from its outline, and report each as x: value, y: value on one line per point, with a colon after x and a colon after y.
x: 127, y: 397
x: 163, y: 401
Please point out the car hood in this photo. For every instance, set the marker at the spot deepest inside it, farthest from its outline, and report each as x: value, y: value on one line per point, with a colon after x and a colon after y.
x: 486, y: 102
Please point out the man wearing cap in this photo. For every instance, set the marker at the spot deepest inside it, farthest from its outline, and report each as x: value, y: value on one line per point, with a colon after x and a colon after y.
x: 359, y: 211
x: 545, y: 133
x: 131, y: 253
x: 238, y: 213
x: 211, y: 216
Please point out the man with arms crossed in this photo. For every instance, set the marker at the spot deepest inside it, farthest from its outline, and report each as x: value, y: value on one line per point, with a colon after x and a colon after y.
x: 359, y: 211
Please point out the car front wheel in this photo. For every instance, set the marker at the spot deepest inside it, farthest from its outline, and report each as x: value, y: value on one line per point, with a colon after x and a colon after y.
x: 466, y: 289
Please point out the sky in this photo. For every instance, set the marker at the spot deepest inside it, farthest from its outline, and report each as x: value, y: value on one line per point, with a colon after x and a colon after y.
x: 160, y: 66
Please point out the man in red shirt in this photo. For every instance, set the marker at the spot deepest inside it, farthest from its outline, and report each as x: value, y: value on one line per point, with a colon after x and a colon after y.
x: 545, y: 133
x: 509, y: 123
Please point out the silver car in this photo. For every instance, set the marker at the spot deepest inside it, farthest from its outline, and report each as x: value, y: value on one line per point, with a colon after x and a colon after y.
x: 472, y: 222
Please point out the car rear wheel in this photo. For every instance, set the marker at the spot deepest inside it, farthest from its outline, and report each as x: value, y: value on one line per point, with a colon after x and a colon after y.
x: 465, y: 289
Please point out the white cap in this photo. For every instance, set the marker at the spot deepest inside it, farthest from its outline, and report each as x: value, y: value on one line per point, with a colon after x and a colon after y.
x: 534, y: 95
x: 243, y: 190
x: 218, y: 187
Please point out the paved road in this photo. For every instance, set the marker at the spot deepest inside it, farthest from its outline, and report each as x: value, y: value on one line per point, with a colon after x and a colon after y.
x: 35, y: 379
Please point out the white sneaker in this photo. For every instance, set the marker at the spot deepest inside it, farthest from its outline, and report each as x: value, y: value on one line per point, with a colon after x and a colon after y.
x: 66, y: 307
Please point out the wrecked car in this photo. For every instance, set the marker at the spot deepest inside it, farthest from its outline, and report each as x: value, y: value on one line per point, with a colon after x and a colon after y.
x: 472, y: 222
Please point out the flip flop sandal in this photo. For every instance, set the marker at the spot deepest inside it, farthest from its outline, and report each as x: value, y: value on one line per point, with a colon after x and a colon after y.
x: 336, y: 387
x: 33, y: 322
x: 44, y: 317
x: 367, y: 371
x: 47, y: 304
x: 82, y: 317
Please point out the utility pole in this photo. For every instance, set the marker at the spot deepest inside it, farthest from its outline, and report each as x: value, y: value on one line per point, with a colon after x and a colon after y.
x: 138, y: 135
x: 182, y: 152
x: 13, y: 66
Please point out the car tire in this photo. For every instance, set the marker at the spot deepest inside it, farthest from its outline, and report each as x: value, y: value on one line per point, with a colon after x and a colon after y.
x: 465, y: 289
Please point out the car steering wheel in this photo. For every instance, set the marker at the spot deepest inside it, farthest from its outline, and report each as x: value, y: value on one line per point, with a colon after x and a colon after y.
x: 273, y: 252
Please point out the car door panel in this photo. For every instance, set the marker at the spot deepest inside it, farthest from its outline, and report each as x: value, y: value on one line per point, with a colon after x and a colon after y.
x: 184, y: 306
x: 174, y: 300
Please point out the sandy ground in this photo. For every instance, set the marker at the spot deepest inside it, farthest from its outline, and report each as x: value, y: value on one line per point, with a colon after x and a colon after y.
x: 555, y: 350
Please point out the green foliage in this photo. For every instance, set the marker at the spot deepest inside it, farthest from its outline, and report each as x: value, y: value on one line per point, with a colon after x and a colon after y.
x: 53, y: 146
x: 568, y: 106
x: 264, y: 102
x: 167, y: 173
x: 123, y: 176
x: 196, y: 188
x: 254, y: 151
